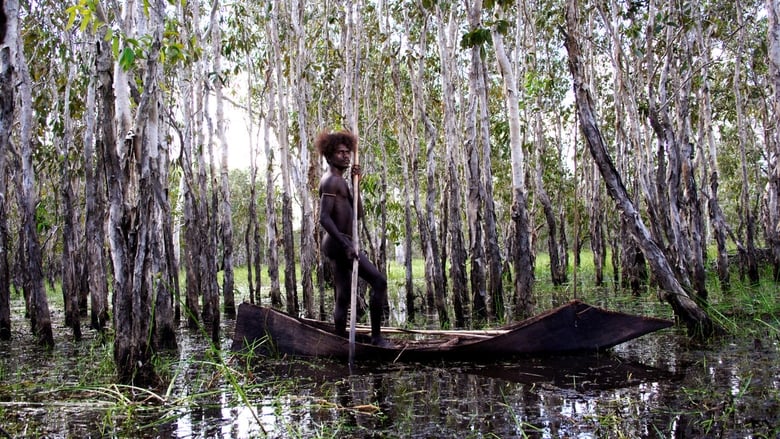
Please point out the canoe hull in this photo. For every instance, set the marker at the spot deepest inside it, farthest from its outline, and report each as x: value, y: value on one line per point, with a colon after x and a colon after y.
x: 572, y: 328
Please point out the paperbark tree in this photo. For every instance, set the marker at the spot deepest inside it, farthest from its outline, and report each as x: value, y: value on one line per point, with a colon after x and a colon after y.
x: 453, y: 146
x: 379, y: 91
x: 671, y: 290
x: 522, y: 256
x: 70, y: 233
x: 627, y: 266
x: 225, y: 209
x: 557, y: 268
x: 492, y: 248
x: 427, y: 219
x: 408, y: 148
x: 209, y: 181
x: 30, y: 248
x: 6, y: 123
x: 197, y: 161
x: 476, y: 191
x: 772, y: 197
x: 191, y: 215
x: 281, y: 124
x: 301, y: 96
x: 252, y: 232
x: 132, y: 164
x: 270, y: 206
x: 94, y: 197
x: 709, y: 150
x: 749, y: 263
x: 596, y: 224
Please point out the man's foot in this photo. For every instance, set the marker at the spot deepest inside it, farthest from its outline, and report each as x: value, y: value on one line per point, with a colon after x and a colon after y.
x: 381, y: 342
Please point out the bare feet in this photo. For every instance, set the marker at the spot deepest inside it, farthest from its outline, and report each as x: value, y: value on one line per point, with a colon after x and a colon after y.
x: 381, y: 342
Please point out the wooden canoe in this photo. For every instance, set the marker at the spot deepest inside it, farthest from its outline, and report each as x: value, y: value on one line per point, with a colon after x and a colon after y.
x: 572, y: 328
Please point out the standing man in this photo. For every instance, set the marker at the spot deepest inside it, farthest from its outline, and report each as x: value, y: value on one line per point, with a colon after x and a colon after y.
x: 336, y: 217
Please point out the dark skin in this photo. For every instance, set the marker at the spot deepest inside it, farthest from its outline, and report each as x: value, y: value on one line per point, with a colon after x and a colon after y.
x: 336, y: 217
x: 336, y: 204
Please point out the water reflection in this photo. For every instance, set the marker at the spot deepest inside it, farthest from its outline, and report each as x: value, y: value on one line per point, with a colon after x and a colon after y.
x: 657, y: 386
x: 536, y: 398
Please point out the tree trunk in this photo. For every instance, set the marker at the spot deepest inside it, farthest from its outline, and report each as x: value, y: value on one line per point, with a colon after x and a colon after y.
x: 305, y: 185
x: 70, y: 235
x: 432, y: 248
x: 207, y: 202
x: 432, y: 252
x: 94, y: 197
x: 435, y: 297
x: 191, y: 217
x: 209, y: 185
x: 161, y: 283
x: 632, y: 262
x: 557, y: 270
x: 597, y: 243
x: 522, y: 263
x: 408, y: 155
x: 746, y: 210
x: 494, y: 261
x: 270, y: 211
x: 252, y: 223
x: 671, y: 290
x: 135, y: 196
x: 6, y: 122
x: 681, y: 197
x: 35, y: 290
x: 475, y: 198
x: 225, y: 210
x: 288, y: 239
x: 563, y: 243
x: 453, y: 145
x: 772, y: 203
x: 121, y: 223
x: 709, y: 150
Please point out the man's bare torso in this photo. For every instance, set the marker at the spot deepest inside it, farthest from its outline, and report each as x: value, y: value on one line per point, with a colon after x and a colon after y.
x: 336, y: 202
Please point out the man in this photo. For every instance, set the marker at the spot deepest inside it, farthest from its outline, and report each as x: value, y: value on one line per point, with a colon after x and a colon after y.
x: 336, y: 217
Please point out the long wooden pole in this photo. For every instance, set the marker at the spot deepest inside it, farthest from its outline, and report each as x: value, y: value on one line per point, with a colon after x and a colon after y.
x: 355, y: 262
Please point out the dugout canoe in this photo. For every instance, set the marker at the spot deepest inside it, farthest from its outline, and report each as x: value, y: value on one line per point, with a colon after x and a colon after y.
x: 575, y: 327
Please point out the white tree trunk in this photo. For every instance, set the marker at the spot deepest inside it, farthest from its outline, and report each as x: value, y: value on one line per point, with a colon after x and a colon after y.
x: 35, y: 290
x: 523, y: 262
x: 7, y: 53
x: 225, y: 209
x: 772, y: 197
x: 282, y: 124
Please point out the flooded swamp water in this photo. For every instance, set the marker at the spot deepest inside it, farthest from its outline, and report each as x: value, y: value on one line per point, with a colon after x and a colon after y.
x: 660, y: 385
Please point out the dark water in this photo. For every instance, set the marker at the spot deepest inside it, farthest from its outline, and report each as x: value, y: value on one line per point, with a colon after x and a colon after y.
x: 660, y: 385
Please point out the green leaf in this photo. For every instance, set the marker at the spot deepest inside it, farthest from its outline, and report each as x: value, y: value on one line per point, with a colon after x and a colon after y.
x: 502, y: 27
x: 72, y: 11
x: 115, y: 46
x: 127, y: 59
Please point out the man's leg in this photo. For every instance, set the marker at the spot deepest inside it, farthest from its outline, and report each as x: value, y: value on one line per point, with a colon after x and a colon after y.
x: 342, y: 282
x: 376, y: 301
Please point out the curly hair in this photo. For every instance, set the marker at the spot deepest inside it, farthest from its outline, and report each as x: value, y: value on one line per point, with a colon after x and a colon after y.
x: 326, y: 142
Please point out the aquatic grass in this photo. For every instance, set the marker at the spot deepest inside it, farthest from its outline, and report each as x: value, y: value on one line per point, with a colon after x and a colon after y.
x: 128, y: 409
x: 747, y: 308
x: 231, y: 375
x: 713, y: 410
x: 96, y: 364
x: 773, y: 327
x: 521, y: 426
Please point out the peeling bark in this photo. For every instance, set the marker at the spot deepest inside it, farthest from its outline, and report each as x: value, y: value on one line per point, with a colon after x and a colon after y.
x: 697, y: 321
x: 523, y: 261
x: 6, y: 121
